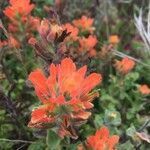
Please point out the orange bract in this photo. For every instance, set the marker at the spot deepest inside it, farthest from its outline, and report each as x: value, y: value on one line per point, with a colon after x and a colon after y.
x: 125, y: 65
x: 64, y: 93
x: 21, y: 23
x: 144, y: 89
x: 13, y: 43
x: 85, y: 23
x: 102, y: 140
x: 114, y: 39
x: 88, y: 44
x: 74, y: 31
x: 18, y: 8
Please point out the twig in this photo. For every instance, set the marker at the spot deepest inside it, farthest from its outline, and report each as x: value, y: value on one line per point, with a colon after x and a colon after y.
x: 143, y: 28
x: 4, y: 29
x: 122, y: 55
x: 17, y: 141
x: 144, y: 126
x: 21, y: 146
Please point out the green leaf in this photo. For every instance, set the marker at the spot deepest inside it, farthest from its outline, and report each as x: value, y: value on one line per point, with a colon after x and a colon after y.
x: 133, y: 76
x: 51, y: 2
x: 126, y: 146
x: 38, y: 145
x: 52, y: 140
x: 73, y: 146
x: 98, y: 121
x: 131, y: 131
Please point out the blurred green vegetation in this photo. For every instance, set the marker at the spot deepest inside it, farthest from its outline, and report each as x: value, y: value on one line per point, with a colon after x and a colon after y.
x: 120, y: 106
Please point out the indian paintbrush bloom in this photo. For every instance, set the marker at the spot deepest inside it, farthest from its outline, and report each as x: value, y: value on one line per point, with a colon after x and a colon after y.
x: 65, y: 95
x: 101, y: 141
x: 125, y: 65
x: 88, y: 44
x: 79, y: 45
x: 144, y: 89
x: 21, y: 24
x: 52, y: 35
x: 18, y: 8
x: 114, y: 39
x: 73, y: 31
x: 13, y: 43
x: 85, y: 24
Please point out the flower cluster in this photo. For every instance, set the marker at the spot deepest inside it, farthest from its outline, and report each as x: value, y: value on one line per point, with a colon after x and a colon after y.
x: 66, y: 96
x: 144, y: 89
x: 51, y: 42
x: 74, y: 31
x: 65, y: 40
x: 81, y: 40
x: 85, y: 24
x: 125, y: 65
x: 18, y: 8
x: 20, y: 19
x: 101, y: 141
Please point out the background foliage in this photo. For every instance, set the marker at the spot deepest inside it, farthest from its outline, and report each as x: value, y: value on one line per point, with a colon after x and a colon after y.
x: 120, y: 106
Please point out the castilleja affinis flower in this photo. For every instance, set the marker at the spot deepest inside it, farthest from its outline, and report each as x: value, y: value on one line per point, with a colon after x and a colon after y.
x: 66, y: 96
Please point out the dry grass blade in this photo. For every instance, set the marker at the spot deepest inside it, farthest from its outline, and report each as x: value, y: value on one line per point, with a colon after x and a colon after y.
x: 143, y: 28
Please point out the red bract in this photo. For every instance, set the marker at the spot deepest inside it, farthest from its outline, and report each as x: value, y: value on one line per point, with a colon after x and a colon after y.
x: 21, y: 24
x: 114, y: 39
x: 101, y: 140
x: 88, y: 44
x: 18, y: 8
x: 65, y: 95
x: 144, y: 89
x: 74, y: 31
x: 85, y: 24
x: 13, y: 43
x: 125, y: 65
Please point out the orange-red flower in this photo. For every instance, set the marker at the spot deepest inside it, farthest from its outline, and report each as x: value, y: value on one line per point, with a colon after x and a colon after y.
x: 21, y: 21
x: 114, y: 39
x: 125, y: 65
x: 64, y: 94
x: 74, y: 31
x: 101, y: 140
x: 13, y: 43
x: 144, y: 89
x: 85, y: 24
x: 18, y: 8
x: 88, y: 44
